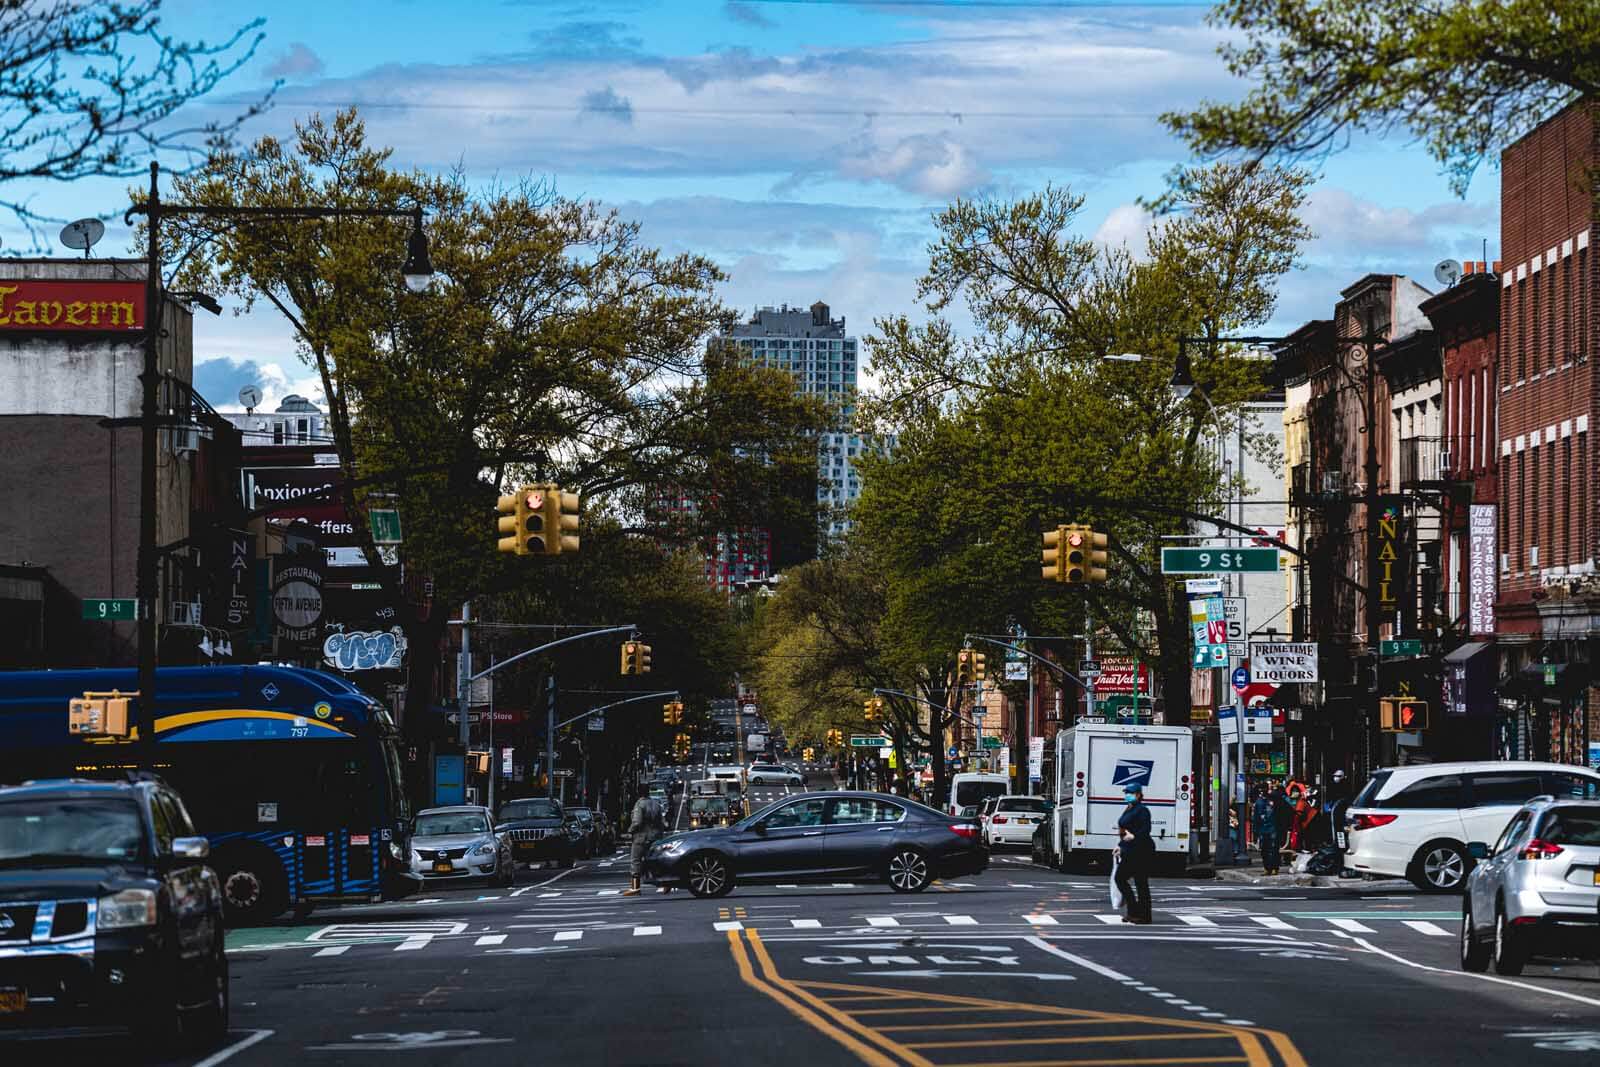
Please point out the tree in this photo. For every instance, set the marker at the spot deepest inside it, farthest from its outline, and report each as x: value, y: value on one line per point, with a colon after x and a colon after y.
x: 554, y: 346
x: 88, y: 88
x: 1466, y: 78
x: 1023, y: 427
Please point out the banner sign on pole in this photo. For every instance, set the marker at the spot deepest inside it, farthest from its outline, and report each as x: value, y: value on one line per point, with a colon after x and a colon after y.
x: 1281, y: 663
x: 1481, y: 565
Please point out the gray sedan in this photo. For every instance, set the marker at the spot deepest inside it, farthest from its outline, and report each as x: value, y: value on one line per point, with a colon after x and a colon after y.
x: 1536, y: 892
x: 459, y: 843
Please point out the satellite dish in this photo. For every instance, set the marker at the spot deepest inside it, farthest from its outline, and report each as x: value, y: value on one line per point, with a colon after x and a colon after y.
x: 84, y: 234
x: 1447, y: 271
x: 250, y: 396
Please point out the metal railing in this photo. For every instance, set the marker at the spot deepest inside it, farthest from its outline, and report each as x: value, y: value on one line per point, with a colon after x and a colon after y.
x: 1420, y: 461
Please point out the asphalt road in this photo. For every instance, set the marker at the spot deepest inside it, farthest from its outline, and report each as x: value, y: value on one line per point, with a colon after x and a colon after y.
x: 1020, y: 965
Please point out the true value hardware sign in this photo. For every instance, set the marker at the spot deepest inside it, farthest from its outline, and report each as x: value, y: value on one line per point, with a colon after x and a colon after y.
x: 1281, y: 664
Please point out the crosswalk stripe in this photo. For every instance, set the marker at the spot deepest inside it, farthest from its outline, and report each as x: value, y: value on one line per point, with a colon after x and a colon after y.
x: 961, y: 920
x: 1352, y: 926
x: 1110, y: 920
x: 1422, y: 926
x: 411, y: 944
x: 724, y: 927
x: 646, y: 931
x: 1042, y: 920
x: 1271, y: 922
x: 1195, y: 920
x: 609, y: 893
x: 491, y: 939
x: 882, y: 920
x: 332, y: 950
x: 569, y: 935
x: 806, y: 924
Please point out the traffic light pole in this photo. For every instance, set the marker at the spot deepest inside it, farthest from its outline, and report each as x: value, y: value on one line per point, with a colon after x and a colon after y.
x: 615, y: 704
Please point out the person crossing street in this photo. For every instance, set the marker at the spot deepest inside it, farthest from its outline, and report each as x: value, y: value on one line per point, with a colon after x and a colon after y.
x: 1134, y: 853
x: 647, y: 824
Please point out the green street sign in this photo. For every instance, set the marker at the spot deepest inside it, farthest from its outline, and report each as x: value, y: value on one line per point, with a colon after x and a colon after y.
x: 1218, y: 560
x: 1400, y: 646
x: 1549, y: 674
x: 869, y: 741
x: 385, y: 524
x: 991, y: 742
x: 111, y: 610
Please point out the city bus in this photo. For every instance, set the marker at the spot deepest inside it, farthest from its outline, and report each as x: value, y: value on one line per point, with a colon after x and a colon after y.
x: 293, y: 775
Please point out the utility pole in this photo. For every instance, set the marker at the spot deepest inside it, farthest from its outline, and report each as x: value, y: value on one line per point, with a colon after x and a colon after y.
x: 145, y: 577
x: 550, y: 734
x: 1371, y: 600
x: 464, y: 678
x: 494, y: 755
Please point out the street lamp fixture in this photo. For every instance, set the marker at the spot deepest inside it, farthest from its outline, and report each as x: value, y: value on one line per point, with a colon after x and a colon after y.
x: 418, y: 267
x: 1182, y: 383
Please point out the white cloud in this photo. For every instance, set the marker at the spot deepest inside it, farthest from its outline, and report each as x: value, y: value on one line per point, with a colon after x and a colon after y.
x: 1347, y: 225
x: 931, y: 165
x: 1127, y: 225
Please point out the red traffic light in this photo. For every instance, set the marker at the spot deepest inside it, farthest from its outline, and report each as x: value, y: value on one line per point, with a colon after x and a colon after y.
x: 1075, y: 538
x: 535, y: 499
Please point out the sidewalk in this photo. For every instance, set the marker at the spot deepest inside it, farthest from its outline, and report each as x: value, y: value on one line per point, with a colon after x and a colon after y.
x: 1252, y: 874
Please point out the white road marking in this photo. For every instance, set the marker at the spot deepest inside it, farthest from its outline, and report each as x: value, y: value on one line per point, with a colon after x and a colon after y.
x: 489, y: 898
x: 1042, y: 920
x: 1271, y: 922
x: 787, y: 885
x: 1470, y: 976
x: 1352, y: 925
x: 609, y: 893
x: 569, y: 935
x: 332, y: 950
x: 882, y: 920
x: 646, y: 931
x: 1195, y: 920
x: 1110, y: 920
x: 961, y: 920
x: 524, y: 889
x: 223, y: 1055
x: 557, y: 878
x: 491, y: 939
x: 724, y: 927
x: 1422, y: 926
x: 411, y: 944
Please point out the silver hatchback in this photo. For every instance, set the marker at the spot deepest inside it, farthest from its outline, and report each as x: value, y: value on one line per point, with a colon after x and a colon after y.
x: 1536, y: 892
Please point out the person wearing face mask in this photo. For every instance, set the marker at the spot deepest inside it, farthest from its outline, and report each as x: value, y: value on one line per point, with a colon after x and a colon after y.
x: 1134, y: 853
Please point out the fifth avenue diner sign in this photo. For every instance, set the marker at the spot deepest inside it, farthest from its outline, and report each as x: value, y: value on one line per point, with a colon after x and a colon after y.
x: 53, y: 305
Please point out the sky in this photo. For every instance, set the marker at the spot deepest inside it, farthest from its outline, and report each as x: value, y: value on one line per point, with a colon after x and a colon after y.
x: 802, y: 144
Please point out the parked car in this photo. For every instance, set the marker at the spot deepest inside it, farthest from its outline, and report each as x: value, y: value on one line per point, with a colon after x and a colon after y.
x: 974, y: 787
x: 1536, y: 891
x: 108, y: 912
x: 459, y: 842
x: 823, y: 837
x: 707, y: 811
x: 1414, y: 822
x: 538, y: 830
x: 1011, y: 820
x: 590, y: 841
x: 773, y: 774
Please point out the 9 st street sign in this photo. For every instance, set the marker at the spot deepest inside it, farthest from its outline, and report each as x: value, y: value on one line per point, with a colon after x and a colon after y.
x: 1218, y: 560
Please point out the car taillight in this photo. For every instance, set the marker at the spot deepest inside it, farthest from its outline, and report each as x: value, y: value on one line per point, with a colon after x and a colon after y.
x: 964, y: 829
x: 1539, y: 850
x: 998, y: 818
x: 1370, y: 822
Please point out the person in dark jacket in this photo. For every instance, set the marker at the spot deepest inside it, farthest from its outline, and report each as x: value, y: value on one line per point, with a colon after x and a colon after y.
x: 1264, y: 821
x: 1134, y: 854
x: 647, y: 824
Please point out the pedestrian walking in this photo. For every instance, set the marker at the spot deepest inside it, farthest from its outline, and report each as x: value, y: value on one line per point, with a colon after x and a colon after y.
x: 646, y: 825
x: 1134, y: 853
x: 1264, y: 823
x: 1234, y: 835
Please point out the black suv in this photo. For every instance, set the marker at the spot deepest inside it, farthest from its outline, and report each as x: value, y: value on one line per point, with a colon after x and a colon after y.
x: 108, y: 912
x: 540, y: 830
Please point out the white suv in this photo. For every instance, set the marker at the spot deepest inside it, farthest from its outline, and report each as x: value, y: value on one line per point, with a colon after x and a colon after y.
x: 1414, y: 822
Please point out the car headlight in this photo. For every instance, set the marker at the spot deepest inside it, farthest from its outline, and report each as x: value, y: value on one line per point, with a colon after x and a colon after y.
x: 129, y: 908
x: 398, y: 853
x: 483, y: 848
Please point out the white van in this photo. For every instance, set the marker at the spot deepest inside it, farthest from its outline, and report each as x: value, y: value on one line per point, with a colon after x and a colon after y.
x: 1416, y: 822
x: 973, y: 788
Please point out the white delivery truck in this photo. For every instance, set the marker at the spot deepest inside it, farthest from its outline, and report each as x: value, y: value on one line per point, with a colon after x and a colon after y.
x: 1095, y: 762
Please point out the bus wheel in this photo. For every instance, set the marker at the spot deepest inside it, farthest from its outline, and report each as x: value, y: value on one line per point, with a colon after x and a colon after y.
x: 252, y: 889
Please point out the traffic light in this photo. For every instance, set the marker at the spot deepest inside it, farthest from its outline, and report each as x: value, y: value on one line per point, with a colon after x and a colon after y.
x: 99, y: 714
x: 980, y: 666
x: 672, y: 713
x: 666, y: 715
x: 1055, y: 562
x: 965, y: 666
x: 835, y: 737
x: 513, y: 524
x: 1402, y: 715
x: 808, y: 754
x: 872, y: 709
x: 480, y: 761
x: 538, y: 520
x: 560, y: 521
x: 635, y: 657
x: 1097, y: 562
x: 1075, y: 555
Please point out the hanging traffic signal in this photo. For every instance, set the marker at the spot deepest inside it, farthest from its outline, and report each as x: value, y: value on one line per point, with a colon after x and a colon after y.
x: 513, y: 523
x: 1055, y: 563
x: 672, y: 712
x: 1413, y: 715
x: 666, y: 714
x: 980, y: 666
x: 965, y: 666
x: 627, y: 657
x: 1075, y: 555
x: 538, y: 520
x: 808, y: 754
x: 873, y: 709
x: 564, y: 511
x: 635, y: 657
x: 1097, y: 566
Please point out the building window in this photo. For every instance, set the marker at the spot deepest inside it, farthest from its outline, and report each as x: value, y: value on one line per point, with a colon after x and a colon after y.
x: 1531, y: 496
x: 1522, y: 330
x: 1585, y: 549
x: 1506, y: 548
x: 1519, y: 550
x: 1569, y: 554
x: 277, y: 433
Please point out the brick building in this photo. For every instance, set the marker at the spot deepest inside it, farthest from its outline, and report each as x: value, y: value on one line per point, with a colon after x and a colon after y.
x: 1547, y: 612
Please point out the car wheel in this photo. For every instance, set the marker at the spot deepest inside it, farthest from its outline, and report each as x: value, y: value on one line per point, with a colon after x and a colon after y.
x: 1509, y: 953
x: 909, y: 871
x: 1474, y: 953
x: 709, y: 875
x: 207, y: 1026
x: 252, y: 888
x: 1440, y: 867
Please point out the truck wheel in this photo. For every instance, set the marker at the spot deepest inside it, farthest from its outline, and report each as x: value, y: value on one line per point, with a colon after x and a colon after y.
x: 253, y: 890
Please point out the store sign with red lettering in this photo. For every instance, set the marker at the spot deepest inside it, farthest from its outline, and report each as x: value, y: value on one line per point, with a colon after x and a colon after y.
x: 35, y: 305
x: 1116, y: 676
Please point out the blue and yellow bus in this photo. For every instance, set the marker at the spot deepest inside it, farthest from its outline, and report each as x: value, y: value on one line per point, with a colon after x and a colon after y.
x: 294, y: 775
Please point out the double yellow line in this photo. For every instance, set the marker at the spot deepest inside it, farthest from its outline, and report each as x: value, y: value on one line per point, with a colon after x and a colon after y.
x: 1255, y: 1047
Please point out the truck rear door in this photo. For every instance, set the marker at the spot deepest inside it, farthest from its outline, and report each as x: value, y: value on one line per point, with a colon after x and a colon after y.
x: 1118, y: 761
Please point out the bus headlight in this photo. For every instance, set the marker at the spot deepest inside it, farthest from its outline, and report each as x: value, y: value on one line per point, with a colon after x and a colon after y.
x: 129, y: 908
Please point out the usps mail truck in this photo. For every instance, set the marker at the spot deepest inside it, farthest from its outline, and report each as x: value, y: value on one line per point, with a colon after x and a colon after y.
x: 1095, y: 763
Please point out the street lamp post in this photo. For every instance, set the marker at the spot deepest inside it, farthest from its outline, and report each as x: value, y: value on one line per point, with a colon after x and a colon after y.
x: 417, y: 273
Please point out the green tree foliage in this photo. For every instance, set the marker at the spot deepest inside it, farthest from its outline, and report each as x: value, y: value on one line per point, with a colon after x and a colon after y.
x: 554, y: 345
x: 1467, y: 78
x: 1024, y: 426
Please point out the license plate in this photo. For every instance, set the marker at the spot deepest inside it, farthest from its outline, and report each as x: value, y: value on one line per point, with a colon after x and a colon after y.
x: 1597, y: 877
x: 442, y: 867
x: 13, y: 1001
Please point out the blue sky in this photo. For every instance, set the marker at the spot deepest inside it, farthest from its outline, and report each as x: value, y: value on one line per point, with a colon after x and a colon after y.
x: 801, y: 143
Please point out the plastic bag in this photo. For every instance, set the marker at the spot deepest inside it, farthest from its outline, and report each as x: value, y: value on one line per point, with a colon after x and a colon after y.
x: 1116, y: 892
